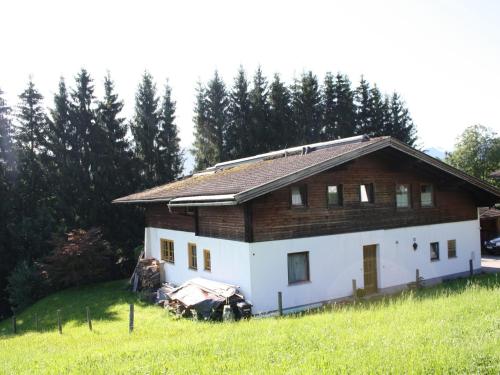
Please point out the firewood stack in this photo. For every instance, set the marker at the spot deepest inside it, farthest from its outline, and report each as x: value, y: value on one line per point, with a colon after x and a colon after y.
x: 146, y: 275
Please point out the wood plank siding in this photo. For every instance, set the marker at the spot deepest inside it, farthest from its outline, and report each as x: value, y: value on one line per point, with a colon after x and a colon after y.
x: 271, y: 217
x: 219, y: 222
x: 274, y: 219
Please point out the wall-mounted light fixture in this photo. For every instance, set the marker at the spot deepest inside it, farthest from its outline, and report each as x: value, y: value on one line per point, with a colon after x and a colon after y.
x: 415, y: 245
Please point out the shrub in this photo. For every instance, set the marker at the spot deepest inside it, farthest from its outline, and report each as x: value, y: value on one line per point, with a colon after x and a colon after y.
x: 25, y: 286
x: 84, y: 258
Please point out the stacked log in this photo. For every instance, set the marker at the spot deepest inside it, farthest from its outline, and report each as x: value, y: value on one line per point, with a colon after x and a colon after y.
x: 146, y: 275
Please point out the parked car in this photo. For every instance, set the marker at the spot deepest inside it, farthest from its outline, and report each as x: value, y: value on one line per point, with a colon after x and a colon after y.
x: 493, y: 246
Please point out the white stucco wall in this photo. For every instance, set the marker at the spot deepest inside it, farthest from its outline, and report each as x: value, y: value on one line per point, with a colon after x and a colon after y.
x: 335, y: 260
x: 260, y: 269
x: 229, y: 259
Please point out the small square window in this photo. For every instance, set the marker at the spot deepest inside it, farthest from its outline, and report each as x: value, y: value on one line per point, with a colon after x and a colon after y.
x: 167, y: 250
x: 192, y: 256
x: 366, y: 193
x: 334, y: 195
x: 299, y: 196
x: 434, y: 251
x: 426, y: 195
x: 402, y: 196
x: 452, y: 248
x: 298, y: 267
x: 207, y: 261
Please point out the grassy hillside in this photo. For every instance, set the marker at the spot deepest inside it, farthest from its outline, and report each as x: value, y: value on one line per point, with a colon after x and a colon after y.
x: 453, y: 328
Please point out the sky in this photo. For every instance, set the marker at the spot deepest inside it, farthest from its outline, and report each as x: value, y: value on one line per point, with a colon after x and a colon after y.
x: 443, y: 57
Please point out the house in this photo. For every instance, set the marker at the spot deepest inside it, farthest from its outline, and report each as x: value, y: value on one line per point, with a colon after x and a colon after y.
x: 308, y: 220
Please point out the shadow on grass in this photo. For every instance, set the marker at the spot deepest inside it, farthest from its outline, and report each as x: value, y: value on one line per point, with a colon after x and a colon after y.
x: 100, y: 298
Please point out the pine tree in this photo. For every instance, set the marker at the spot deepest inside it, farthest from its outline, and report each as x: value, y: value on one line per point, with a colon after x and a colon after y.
x: 307, y: 109
x: 344, y: 109
x: 7, y: 156
x: 280, y: 115
x: 239, y: 120
x: 84, y: 140
x: 145, y: 129
x: 363, y: 102
x: 329, y: 108
x: 61, y: 158
x: 401, y: 123
x: 169, y: 155
x: 7, y: 166
x: 217, y: 116
x: 116, y: 175
x: 259, y: 115
x: 204, y: 150
x: 377, y: 113
x: 34, y: 221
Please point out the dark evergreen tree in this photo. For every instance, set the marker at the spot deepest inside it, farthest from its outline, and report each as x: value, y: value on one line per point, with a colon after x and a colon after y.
x: 344, y: 110
x: 116, y: 173
x: 34, y: 220
x: 84, y: 141
x: 363, y: 102
x: 7, y: 166
x: 280, y: 132
x: 401, y: 123
x: 329, y: 108
x: 204, y: 150
x: 145, y: 130
x: 259, y: 115
x: 378, y: 113
x: 307, y: 109
x: 217, y: 117
x: 7, y: 156
x: 169, y: 155
x: 62, y: 159
x: 238, y: 143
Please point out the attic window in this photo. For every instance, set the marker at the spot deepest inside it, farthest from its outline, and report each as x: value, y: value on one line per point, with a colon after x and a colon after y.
x: 298, y: 196
x: 366, y: 193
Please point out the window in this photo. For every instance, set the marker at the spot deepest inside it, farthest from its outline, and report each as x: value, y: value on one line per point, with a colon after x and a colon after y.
x: 426, y: 195
x: 366, y: 193
x: 452, y: 248
x: 167, y: 250
x: 299, y: 196
x: 192, y: 256
x: 402, y: 196
x: 334, y: 195
x: 298, y: 267
x: 207, y: 261
x: 434, y: 251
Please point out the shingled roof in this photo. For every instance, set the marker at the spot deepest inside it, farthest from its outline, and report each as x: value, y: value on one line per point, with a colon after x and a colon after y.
x: 241, y: 180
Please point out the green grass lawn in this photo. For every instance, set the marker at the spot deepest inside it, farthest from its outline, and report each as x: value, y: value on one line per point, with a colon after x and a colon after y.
x: 452, y: 328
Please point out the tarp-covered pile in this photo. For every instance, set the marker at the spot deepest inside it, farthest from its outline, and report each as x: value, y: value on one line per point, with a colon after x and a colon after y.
x: 204, y: 299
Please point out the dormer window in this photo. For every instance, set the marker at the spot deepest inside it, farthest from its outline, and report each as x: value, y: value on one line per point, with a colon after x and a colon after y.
x: 298, y: 196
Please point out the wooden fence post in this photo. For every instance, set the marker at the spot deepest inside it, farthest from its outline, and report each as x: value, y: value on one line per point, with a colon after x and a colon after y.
x: 131, y: 318
x: 471, y: 268
x: 89, y: 321
x: 354, y: 289
x: 14, y: 324
x: 36, y: 322
x: 59, y: 324
x: 280, y: 304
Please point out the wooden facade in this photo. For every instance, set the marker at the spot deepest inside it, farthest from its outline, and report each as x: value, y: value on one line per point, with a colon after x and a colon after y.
x: 271, y: 217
